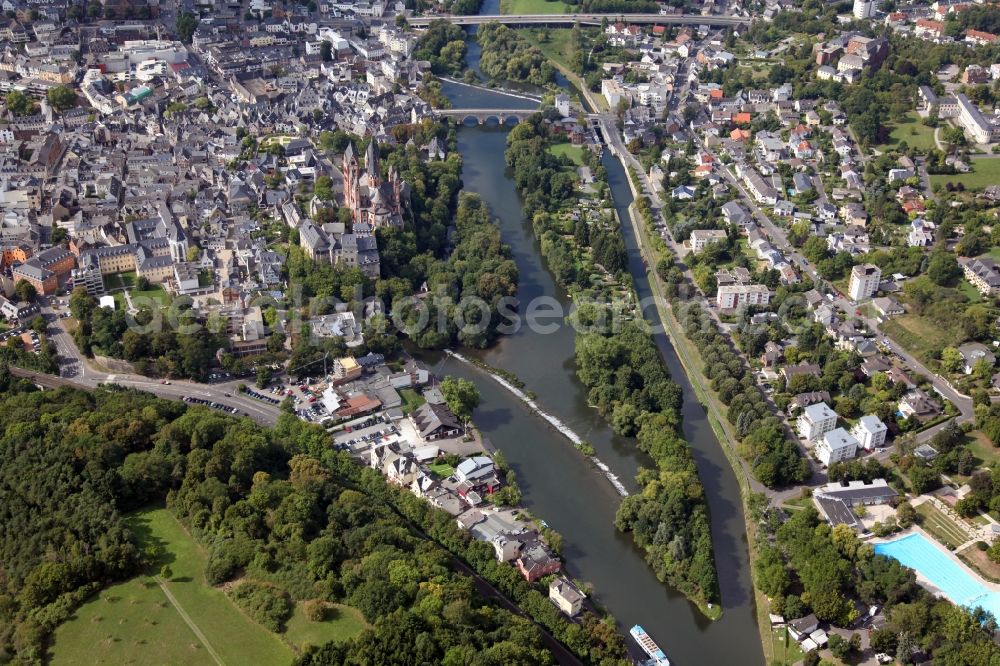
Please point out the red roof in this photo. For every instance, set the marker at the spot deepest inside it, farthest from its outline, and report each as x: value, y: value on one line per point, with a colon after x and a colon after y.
x: 981, y: 36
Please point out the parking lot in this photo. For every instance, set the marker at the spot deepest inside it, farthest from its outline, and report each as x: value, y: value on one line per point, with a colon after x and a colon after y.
x: 360, y: 434
x: 215, y: 405
x: 305, y: 396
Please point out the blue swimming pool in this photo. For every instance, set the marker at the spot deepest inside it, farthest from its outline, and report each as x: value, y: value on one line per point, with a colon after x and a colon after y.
x: 918, y: 553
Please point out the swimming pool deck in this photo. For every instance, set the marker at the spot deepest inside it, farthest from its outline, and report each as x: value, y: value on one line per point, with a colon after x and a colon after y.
x: 923, y: 580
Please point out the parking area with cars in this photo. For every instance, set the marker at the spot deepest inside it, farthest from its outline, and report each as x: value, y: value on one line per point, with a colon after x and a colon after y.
x: 305, y: 396
x: 214, y: 405
x: 363, y: 433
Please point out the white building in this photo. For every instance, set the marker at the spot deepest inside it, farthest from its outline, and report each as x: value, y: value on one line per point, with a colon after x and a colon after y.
x: 973, y: 122
x: 864, y: 281
x: 836, y: 445
x: 613, y: 91
x: 870, y: 432
x: 732, y: 296
x: 331, y: 400
x: 700, y: 238
x: 816, y: 420
x: 864, y: 9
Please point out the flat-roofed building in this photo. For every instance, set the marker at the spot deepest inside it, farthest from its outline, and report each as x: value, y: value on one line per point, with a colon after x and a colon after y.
x: 816, y: 420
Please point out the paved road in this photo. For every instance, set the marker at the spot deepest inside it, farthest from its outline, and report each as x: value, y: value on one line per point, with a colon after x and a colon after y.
x: 779, y: 239
x: 73, y: 366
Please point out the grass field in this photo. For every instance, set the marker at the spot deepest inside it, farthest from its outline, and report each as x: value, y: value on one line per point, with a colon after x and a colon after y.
x: 533, y: 7
x: 914, y: 133
x: 342, y: 623
x: 557, y: 46
x: 786, y: 650
x: 798, y: 503
x: 128, y: 623
x: 155, y: 294
x: 940, y: 526
x: 411, y: 400
x: 986, y: 454
x: 136, y: 622
x: 985, y: 171
x: 970, y: 292
x: 917, y: 334
x: 574, y: 153
x: 442, y: 470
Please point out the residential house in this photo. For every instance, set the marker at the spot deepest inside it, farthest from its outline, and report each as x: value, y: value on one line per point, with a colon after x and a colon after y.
x: 887, y: 306
x: 731, y: 297
x: 917, y: 404
x: 772, y: 354
x: 816, y: 420
x: 974, y: 352
x: 566, y: 596
x: 435, y: 422
x: 808, y: 398
x: 835, y: 446
x: 983, y: 273
x: 921, y: 233
x: 870, y: 432
x: 864, y: 281
x: 799, y: 369
x: 700, y: 238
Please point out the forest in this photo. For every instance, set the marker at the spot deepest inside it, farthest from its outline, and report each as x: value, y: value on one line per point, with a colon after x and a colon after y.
x: 443, y: 45
x: 630, y: 386
x: 276, y: 508
x: 508, y: 55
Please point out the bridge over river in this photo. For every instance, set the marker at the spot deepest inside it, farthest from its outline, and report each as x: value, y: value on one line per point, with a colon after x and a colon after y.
x: 583, y: 19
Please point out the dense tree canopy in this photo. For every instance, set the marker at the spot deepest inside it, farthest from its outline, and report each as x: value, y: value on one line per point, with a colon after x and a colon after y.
x: 507, y: 55
x: 277, y: 507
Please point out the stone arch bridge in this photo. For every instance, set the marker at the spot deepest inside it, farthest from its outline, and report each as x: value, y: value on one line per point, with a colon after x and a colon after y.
x: 482, y: 116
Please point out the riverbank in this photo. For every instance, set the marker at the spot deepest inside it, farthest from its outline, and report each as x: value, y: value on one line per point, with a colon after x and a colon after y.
x: 578, y: 442
x: 694, y: 366
x: 565, y: 487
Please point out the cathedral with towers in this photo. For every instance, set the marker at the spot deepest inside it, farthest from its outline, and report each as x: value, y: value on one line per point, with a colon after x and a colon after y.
x: 374, y: 201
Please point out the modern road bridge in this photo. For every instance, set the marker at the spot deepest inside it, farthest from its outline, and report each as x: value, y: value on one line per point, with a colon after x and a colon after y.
x: 583, y: 19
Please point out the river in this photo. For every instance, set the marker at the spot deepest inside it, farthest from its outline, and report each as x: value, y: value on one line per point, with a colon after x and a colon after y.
x: 559, y: 484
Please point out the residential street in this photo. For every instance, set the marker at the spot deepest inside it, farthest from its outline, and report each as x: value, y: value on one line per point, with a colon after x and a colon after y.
x: 75, y: 368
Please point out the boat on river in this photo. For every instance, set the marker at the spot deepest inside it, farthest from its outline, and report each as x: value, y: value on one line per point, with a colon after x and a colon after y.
x: 649, y: 646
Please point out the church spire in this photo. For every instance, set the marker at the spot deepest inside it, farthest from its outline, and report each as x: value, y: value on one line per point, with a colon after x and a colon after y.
x: 371, y: 160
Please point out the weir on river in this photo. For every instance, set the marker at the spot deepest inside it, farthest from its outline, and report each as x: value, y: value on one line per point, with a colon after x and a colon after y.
x: 561, y: 485
x: 560, y: 427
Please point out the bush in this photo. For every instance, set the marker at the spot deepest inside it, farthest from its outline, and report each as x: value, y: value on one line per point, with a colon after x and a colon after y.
x: 316, y: 610
x: 266, y: 604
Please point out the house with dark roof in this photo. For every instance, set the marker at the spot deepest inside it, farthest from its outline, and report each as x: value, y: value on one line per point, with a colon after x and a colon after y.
x: 803, y: 368
x: 836, y: 501
x: 435, y: 422
x: 918, y: 404
x: 983, y: 273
